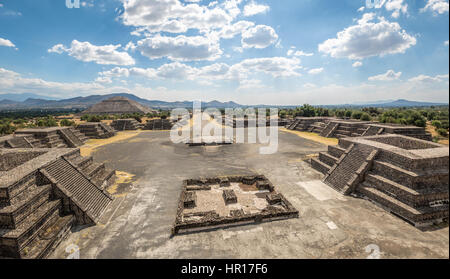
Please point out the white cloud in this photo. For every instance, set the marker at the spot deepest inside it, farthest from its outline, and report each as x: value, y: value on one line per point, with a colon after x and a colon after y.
x: 357, y: 64
x: 180, y: 48
x: 436, y: 6
x: 446, y: 43
x: 260, y: 36
x: 1, y: 5
x: 273, y: 66
x: 86, y: 52
x: 428, y: 79
x: 6, y: 43
x: 253, y: 8
x: 298, y: 53
x: 367, y: 38
x: 388, y: 76
x: 177, y: 17
x: 397, y: 7
x: 315, y: 71
x: 361, y: 9
x: 12, y: 82
x: 229, y: 31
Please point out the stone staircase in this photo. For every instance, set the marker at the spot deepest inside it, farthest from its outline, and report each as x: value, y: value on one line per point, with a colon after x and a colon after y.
x: 96, y: 130
x: 78, y: 192
x: 72, y: 140
x: 126, y: 124
x: 31, y: 221
x: 372, y: 131
x: 329, y: 129
x: 43, y: 192
x: 349, y: 170
x: 410, y: 184
x: 96, y: 172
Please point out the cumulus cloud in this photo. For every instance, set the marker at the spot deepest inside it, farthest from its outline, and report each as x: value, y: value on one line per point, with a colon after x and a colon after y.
x: 86, y: 52
x: 436, y: 6
x: 260, y: 36
x: 177, y: 17
x: 254, y: 8
x: 388, y: 76
x: 428, y: 79
x: 6, y: 43
x: 446, y: 43
x: 368, y: 38
x: 357, y: 64
x: 12, y: 82
x: 315, y: 71
x: 397, y: 7
x: 180, y: 48
x: 272, y: 66
x: 298, y: 53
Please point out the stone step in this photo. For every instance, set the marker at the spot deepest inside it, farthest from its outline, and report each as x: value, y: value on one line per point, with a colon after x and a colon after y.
x: 11, y: 216
x: 336, y: 151
x: 416, y: 216
x: 327, y: 158
x: 13, y: 241
x: 319, y: 166
x: 101, y: 177
x: 19, y: 188
x: 48, y: 238
x: 415, y: 180
x: 405, y: 194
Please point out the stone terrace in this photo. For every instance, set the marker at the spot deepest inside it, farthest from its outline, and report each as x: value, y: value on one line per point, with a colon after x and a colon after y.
x: 43, y: 192
x: 126, y: 124
x: 331, y: 127
x: 96, y: 130
x: 54, y: 137
x: 404, y: 175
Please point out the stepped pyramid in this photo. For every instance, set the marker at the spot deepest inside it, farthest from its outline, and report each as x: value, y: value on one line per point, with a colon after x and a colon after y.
x: 404, y: 175
x: 117, y: 105
x: 43, y: 192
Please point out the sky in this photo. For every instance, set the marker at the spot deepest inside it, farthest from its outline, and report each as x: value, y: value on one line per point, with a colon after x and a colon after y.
x: 287, y: 52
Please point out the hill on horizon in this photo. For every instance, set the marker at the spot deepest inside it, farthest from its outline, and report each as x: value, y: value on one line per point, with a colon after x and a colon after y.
x: 33, y: 101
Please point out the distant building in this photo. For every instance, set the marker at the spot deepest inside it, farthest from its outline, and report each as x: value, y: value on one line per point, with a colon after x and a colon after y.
x: 118, y: 105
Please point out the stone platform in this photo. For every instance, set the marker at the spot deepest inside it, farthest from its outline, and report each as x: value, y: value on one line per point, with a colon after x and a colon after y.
x: 54, y: 137
x: 406, y: 176
x: 331, y: 127
x: 126, y: 124
x: 96, y: 130
x: 43, y: 192
x: 220, y: 202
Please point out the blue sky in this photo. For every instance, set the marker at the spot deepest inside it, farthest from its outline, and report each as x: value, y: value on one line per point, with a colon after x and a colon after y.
x: 247, y: 51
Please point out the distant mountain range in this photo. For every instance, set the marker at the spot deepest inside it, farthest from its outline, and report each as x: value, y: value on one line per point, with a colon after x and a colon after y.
x: 33, y: 101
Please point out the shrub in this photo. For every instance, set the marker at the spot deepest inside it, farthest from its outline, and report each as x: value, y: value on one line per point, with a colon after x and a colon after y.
x: 442, y: 132
x: 365, y: 117
x: 66, y: 123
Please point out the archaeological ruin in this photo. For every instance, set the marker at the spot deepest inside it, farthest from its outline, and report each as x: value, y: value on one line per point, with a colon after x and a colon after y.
x: 219, y: 202
x: 158, y: 124
x: 404, y: 175
x: 55, y: 137
x: 118, y: 105
x: 96, y: 130
x: 331, y: 127
x: 43, y: 193
x: 126, y: 124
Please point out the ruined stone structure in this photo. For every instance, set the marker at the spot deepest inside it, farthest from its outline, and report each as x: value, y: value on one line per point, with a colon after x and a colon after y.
x: 43, y: 192
x: 126, y: 124
x: 211, y: 203
x: 158, y: 124
x: 117, y: 105
x: 338, y: 128
x: 54, y: 137
x: 96, y: 130
x: 406, y: 176
x: 246, y: 122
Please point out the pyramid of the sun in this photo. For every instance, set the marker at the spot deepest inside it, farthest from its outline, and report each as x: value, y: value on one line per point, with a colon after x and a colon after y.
x: 117, y: 105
